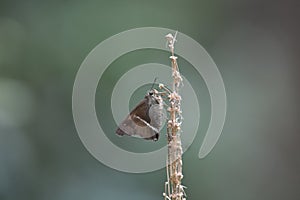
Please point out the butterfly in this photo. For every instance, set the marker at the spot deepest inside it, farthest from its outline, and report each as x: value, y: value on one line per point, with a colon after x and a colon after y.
x: 146, y: 119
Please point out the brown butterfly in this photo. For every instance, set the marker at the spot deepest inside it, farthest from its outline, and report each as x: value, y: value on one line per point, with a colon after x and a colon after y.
x: 146, y: 119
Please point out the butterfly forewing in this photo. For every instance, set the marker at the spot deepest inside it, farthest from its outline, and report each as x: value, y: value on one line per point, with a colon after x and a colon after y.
x: 141, y: 112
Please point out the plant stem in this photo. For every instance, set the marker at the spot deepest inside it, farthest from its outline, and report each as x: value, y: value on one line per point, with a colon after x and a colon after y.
x: 174, y: 189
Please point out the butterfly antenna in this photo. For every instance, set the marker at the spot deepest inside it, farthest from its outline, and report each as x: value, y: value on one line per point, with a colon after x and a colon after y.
x: 153, y: 83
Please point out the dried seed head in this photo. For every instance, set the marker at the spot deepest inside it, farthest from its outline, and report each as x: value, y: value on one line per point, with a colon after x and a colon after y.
x: 169, y: 37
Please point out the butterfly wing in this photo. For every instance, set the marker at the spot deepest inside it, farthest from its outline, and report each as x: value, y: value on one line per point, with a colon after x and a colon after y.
x: 157, y: 115
x: 139, y: 124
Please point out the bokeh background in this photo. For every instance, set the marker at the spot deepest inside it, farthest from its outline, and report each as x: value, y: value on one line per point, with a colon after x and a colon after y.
x: 254, y: 43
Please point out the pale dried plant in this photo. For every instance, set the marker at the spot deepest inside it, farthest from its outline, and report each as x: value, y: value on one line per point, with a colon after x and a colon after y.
x: 174, y: 190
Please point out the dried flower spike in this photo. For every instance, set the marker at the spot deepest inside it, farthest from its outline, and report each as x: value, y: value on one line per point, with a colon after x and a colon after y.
x: 173, y: 188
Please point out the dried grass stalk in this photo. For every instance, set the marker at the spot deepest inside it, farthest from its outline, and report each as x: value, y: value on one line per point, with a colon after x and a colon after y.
x: 173, y: 188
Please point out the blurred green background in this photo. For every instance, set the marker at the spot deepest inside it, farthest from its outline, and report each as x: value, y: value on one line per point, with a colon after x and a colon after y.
x: 254, y: 43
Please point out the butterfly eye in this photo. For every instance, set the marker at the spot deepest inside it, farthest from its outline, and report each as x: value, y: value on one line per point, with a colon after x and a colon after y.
x: 151, y: 93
